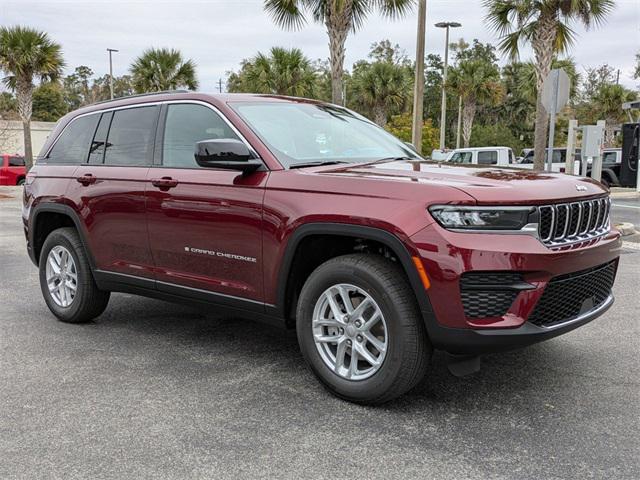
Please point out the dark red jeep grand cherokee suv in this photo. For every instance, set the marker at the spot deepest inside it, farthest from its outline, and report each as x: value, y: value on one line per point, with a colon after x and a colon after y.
x: 308, y: 215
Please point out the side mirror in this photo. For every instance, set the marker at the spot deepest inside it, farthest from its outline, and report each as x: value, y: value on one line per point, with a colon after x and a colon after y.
x: 226, y: 153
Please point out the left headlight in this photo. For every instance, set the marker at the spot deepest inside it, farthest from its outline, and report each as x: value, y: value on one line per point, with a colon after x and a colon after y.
x: 481, y: 218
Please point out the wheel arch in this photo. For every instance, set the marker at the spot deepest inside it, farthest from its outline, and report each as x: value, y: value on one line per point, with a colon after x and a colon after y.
x: 354, y: 232
x: 46, y: 218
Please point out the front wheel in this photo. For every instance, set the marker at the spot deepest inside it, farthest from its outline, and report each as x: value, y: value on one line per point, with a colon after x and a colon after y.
x: 360, y: 329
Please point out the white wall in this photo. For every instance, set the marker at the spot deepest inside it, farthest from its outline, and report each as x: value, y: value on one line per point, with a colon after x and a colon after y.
x: 12, y: 136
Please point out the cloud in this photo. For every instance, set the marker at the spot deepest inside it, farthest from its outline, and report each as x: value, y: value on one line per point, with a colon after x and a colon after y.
x: 218, y: 34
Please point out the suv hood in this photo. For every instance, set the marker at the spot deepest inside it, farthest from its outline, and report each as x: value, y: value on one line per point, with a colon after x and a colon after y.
x: 486, y: 185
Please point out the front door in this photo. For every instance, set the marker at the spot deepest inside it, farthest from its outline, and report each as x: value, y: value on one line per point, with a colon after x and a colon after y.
x: 205, y: 224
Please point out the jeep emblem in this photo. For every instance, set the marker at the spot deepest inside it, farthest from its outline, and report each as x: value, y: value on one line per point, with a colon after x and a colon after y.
x: 581, y: 188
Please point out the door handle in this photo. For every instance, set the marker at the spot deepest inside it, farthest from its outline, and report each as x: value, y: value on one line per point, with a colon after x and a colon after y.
x: 164, y: 183
x: 86, y: 179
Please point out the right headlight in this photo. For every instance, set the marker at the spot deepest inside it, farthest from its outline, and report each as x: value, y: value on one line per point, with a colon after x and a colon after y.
x: 455, y: 217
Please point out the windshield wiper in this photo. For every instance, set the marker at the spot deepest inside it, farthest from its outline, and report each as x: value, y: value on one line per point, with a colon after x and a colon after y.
x: 317, y: 164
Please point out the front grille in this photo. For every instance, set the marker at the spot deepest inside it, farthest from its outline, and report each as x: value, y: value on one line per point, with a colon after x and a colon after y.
x: 563, y: 223
x: 489, y: 294
x: 568, y: 296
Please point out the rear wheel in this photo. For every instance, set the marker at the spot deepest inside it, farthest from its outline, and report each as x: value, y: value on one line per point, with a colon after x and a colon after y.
x: 20, y: 182
x: 66, y: 280
x: 360, y: 329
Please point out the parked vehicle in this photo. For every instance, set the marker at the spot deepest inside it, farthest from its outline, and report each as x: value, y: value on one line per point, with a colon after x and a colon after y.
x: 558, y: 162
x: 500, y: 156
x: 441, y: 155
x: 309, y: 216
x: 611, y: 164
x: 12, y: 169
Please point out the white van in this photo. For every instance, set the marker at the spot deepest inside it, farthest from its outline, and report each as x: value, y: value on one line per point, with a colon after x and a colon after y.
x: 499, y: 156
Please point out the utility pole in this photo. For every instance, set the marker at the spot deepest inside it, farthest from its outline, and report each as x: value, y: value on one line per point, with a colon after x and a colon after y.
x: 443, y: 107
x: 111, y: 50
x: 418, y: 89
x: 220, y: 85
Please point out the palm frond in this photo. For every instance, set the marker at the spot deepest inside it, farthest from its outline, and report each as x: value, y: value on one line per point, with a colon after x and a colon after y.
x: 287, y: 14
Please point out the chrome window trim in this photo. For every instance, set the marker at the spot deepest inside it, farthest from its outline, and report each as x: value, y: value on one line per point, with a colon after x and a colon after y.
x: 151, y: 104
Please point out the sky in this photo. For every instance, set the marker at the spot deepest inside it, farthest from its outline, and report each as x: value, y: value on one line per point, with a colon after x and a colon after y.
x: 218, y: 34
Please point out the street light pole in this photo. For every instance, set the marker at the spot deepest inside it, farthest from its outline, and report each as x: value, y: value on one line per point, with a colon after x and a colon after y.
x: 111, y: 50
x: 418, y: 88
x: 443, y: 107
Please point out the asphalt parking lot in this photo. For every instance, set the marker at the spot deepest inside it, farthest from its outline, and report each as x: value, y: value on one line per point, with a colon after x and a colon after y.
x: 155, y: 390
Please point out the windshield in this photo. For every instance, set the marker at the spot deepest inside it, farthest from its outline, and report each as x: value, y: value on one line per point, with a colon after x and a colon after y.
x: 303, y: 133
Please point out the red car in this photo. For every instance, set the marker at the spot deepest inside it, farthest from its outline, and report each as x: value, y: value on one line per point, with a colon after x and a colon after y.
x: 309, y: 216
x: 12, y: 169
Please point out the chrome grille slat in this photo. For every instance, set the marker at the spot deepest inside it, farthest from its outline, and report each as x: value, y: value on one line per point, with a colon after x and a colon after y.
x: 565, y: 223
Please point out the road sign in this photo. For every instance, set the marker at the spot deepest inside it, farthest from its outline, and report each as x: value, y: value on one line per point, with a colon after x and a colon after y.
x: 556, y: 85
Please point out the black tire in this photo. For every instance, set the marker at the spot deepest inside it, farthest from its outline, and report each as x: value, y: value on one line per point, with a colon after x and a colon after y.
x: 409, y: 350
x: 89, y: 302
x: 605, y: 182
x: 20, y: 182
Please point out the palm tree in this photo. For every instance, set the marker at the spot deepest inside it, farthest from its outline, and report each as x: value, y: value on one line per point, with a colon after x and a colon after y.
x: 379, y: 88
x: 340, y: 17
x: 608, y: 102
x: 26, y: 54
x: 281, y: 72
x: 477, y: 82
x: 159, y: 69
x: 546, y: 25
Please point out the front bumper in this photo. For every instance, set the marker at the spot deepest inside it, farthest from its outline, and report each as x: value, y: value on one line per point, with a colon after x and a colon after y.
x: 447, y: 255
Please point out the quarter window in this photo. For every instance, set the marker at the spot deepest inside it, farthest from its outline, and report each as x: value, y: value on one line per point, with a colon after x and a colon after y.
x: 187, y: 124
x: 72, y: 146
x: 130, y: 136
x: 98, y: 145
x: 488, y: 158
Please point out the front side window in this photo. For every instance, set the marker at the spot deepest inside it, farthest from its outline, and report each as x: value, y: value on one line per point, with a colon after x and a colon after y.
x: 609, y: 158
x: 488, y: 158
x: 305, y: 133
x: 72, y: 146
x: 187, y: 124
x: 16, y: 161
x: 461, y: 157
x: 131, y: 136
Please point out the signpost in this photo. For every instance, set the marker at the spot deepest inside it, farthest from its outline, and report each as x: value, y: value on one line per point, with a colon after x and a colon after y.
x: 555, y: 95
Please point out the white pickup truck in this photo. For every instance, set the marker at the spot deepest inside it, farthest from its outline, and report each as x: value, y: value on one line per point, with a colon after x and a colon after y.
x: 499, y: 156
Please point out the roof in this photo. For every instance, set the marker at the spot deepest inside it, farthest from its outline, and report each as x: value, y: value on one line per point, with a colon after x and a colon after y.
x: 468, y: 149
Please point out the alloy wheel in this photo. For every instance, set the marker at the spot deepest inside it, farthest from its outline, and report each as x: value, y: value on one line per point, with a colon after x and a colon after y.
x: 62, y: 276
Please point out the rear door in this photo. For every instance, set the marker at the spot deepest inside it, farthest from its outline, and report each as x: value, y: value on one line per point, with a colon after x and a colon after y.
x: 110, y: 190
x: 205, y: 224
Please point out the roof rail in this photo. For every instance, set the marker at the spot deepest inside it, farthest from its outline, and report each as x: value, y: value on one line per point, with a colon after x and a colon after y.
x: 147, y: 94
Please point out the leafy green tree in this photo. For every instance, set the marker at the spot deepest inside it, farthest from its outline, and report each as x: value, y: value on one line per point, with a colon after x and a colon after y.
x: 478, y: 83
x: 48, y: 102
x: 8, y: 106
x: 545, y: 24
x: 401, y: 127
x: 607, y: 104
x: 159, y: 69
x: 497, y: 134
x: 340, y: 17
x: 636, y: 72
x: 380, y: 88
x: 281, y: 72
x: 27, y: 54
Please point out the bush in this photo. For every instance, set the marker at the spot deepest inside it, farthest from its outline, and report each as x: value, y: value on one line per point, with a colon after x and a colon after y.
x: 400, y: 126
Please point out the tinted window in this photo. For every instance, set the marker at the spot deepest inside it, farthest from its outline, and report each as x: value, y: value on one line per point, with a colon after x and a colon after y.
x: 16, y: 161
x: 187, y: 124
x: 130, y: 136
x: 609, y: 158
x: 511, y: 157
x: 461, y: 157
x: 96, y: 152
x: 488, y: 158
x: 73, y: 145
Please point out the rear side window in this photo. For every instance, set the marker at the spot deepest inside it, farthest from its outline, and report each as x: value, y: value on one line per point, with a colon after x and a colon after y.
x: 186, y: 125
x: 130, y: 137
x: 488, y: 158
x: 19, y: 161
x: 609, y: 158
x: 98, y: 145
x: 461, y: 157
x: 72, y: 146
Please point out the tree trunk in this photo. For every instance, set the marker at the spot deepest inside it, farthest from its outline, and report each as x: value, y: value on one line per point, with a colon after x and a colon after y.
x: 24, y: 96
x: 468, y: 114
x: 543, y: 47
x: 338, y: 22
x: 380, y: 115
x: 609, y: 132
